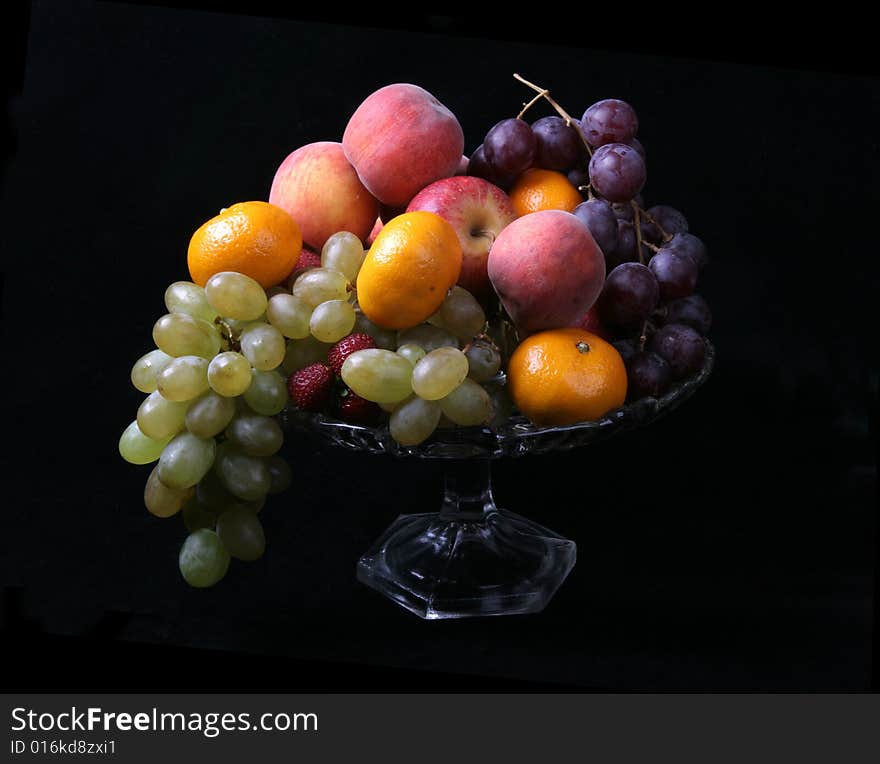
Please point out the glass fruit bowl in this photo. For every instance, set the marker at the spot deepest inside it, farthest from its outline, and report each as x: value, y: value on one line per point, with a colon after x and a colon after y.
x: 472, y: 558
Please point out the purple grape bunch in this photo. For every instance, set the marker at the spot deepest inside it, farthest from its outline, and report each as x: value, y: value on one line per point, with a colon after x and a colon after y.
x: 649, y: 306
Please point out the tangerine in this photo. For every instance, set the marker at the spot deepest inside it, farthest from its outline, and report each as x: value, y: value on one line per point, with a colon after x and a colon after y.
x: 411, y: 265
x: 564, y: 376
x: 258, y: 239
x: 538, y: 189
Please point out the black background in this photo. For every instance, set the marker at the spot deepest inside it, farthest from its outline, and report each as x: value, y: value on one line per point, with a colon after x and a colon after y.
x: 730, y: 546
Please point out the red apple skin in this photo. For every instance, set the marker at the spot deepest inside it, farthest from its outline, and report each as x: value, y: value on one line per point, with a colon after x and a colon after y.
x: 400, y: 139
x: 478, y: 211
x: 591, y: 323
x: 547, y: 270
x: 318, y: 186
x: 377, y: 227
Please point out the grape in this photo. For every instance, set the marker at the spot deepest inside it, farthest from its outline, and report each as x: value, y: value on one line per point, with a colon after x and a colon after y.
x: 626, y: 347
x: 381, y: 376
x: 196, y: 515
x: 186, y: 460
x: 180, y: 334
x: 235, y: 295
x: 280, y: 476
x: 289, y: 315
x: 344, y: 252
x: 617, y: 172
x: 318, y: 285
x: 332, y: 320
x: 579, y: 177
x: 412, y: 352
x: 609, y: 121
x: 255, y: 434
x: 145, y: 369
x: 676, y: 273
x: 669, y: 219
x: 209, y: 415
x: 427, y: 336
x: 479, y: 167
x: 414, y: 421
x: 509, y: 147
x: 189, y: 298
x: 484, y: 360
x: 212, y: 494
x: 439, y: 373
x: 137, y: 448
x: 623, y: 211
x: 647, y: 375
x: 681, y: 347
x: 637, y: 145
x: 162, y: 501
x: 275, y: 290
x: 159, y: 418
x: 229, y: 374
x: 557, y: 145
x: 467, y: 405
x: 264, y: 346
x: 184, y: 378
x: 243, y: 475
x: 691, y: 310
x: 598, y: 216
x: 301, y: 353
x: 385, y: 339
x: 626, y: 251
x: 690, y: 245
x: 267, y: 393
x: 629, y: 296
x: 203, y: 559
x: 242, y: 534
x: 461, y: 314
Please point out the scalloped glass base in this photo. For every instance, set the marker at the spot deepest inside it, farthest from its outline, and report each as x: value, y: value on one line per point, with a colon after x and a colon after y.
x: 440, y: 565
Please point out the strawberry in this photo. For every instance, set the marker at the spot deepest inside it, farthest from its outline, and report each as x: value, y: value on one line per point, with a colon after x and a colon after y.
x: 310, y: 386
x: 307, y: 259
x: 345, y: 347
x: 356, y: 410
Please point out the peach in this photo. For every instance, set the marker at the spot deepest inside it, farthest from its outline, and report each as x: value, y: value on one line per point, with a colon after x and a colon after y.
x: 320, y: 189
x: 547, y: 269
x: 400, y: 139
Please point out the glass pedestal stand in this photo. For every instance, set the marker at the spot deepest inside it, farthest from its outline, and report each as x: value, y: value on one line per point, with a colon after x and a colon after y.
x: 470, y: 558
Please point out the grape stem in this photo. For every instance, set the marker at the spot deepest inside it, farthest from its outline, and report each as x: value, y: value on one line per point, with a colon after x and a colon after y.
x: 531, y: 103
x: 227, y: 333
x: 663, y: 232
x: 638, y: 226
x: 544, y: 93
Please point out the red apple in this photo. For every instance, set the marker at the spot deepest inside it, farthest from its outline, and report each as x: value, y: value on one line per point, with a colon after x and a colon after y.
x: 478, y: 211
x: 377, y: 226
x: 400, y: 139
x: 320, y: 189
x: 591, y: 322
x: 547, y: 269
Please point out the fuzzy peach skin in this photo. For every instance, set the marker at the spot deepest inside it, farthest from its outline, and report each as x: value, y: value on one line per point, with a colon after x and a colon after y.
x: 320, y: 189
x: 400, y: 139
x: 547, y: 270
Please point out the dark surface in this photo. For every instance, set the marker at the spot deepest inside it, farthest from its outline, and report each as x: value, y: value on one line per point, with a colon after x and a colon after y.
x: 729, y: 546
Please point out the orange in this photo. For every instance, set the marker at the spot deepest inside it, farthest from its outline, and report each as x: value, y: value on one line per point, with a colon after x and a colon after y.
x: 564, y: 376
x: 410, y: 267
x: 537, y: 190
x: 255, y: 238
